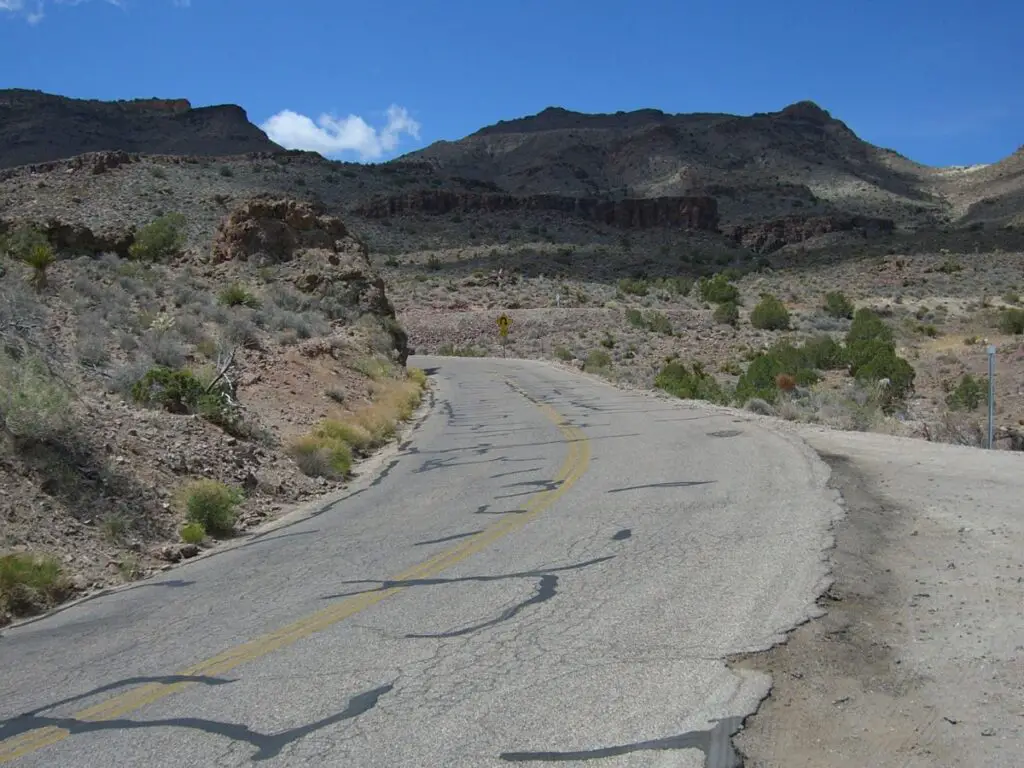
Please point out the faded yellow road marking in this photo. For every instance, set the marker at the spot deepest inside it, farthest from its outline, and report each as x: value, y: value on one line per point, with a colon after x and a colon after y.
x: 572, y: 469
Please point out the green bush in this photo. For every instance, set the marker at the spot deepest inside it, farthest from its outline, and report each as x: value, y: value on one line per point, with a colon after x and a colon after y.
x: 211, y: 504
x: 161, y: 239
x: 692, y: 383
x: 39, y: 257
x: 727, y: 313
x: 770, y: 314
x: 635, y: 318
x: 867, y: 326
x: 871, y: 352
x: 825, y: 353
x: 563, y: 354
x: 192, y: 533
x: 1011, y: 320
x: 236, y: 295
x: 968, y: 395
x: 20, y: 241
x: 759, y: 380
x: 177, y: 391
x: 837, y: 305
x: 718, y: 289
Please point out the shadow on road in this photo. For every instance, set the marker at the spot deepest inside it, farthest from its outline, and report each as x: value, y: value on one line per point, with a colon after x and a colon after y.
x: 268, y: 745
x: 671, y: 484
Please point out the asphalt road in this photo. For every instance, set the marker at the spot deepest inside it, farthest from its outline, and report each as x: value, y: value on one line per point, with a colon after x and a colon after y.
x: 549, y: 570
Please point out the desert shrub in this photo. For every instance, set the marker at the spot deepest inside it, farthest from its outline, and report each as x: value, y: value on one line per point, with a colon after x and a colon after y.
x: 20, y: 241
x: 759, y: 406
x: 968, y: 394
x: 212, y: 504
x: 597, y: 361
x: 632, y: 286
x: 1011, y: 320
x: 33, y: 403
x: 357, y: 437
x: 691, y: 383
x: 563, y: 354
x: 718, y: 289
x: 237, y: 295
x: 374, y: 367
x: 837, y: 305
x: 871, y: 352
x: 770, y: 314
x: 192, y: 533
x: 161, y: 239
x: 29, y: 583
x: 454, y: 350
x: 658, y: 322
x: 39, y: 257
x: 727, y: 313
x: 418, y: 376
x: 317, y: 457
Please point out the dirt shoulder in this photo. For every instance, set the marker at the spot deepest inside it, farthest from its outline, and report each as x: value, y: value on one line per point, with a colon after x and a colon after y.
x: 919, y: 657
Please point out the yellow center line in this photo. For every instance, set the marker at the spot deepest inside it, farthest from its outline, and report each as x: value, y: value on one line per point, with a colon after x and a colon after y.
x: 575, y: 465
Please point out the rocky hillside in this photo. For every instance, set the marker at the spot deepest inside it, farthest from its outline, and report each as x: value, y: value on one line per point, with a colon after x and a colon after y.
x: 161, y: 390
x: 36, y: 127
x: 797, y: 160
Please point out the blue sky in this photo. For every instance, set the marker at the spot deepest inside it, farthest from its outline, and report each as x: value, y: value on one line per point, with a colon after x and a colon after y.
x: 938, y: 80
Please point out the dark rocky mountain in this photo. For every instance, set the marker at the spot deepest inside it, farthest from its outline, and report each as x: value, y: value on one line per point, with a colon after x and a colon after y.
x: 37, y: 127
x: 799, y: 160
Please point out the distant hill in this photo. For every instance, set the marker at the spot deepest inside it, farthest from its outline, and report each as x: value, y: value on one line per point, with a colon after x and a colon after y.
x: 799, y: 160
x: 37, y: 127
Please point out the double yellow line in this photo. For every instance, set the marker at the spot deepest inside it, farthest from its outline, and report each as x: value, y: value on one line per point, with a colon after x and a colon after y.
x: 572, y: 470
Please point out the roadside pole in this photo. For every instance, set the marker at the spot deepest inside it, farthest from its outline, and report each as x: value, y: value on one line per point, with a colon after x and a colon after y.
x: 991, y: 394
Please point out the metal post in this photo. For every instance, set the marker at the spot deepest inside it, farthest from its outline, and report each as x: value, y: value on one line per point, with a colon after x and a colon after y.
x: 991, y: 394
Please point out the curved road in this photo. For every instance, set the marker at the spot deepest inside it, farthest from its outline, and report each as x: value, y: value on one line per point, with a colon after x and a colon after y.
x: 549, y: 570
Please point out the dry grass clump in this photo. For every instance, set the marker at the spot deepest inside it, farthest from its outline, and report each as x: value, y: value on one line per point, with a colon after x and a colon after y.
x: 329, y: 449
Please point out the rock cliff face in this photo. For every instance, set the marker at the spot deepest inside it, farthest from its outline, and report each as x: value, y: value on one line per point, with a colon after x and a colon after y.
x: 313, y: 251
x: 694, y: 213
x: 37, y: 127
x: 769, y: 236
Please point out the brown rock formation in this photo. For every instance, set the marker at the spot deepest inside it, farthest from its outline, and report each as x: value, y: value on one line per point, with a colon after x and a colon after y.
x: 698, y: 213
x: 315, y: 252
x: 769, y: 236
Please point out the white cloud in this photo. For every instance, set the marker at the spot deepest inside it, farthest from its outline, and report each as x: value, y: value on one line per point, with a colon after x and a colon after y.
x: 333, y: 136
x: 33, y: 11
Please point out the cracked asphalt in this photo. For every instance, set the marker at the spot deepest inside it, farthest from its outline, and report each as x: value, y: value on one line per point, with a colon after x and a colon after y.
x: 550, y: 570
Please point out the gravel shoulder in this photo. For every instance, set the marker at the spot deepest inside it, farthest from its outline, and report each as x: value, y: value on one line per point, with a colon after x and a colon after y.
x: 919, y: 658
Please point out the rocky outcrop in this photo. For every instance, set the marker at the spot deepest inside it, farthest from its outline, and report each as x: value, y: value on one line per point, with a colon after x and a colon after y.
x: 770, y: 236
x: 315, y: 252
x: 37, y: 127
x: 696, y: 213
x: 76, y: 237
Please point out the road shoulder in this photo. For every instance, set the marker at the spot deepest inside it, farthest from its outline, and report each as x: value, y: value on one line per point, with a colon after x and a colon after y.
x: 914, y: 661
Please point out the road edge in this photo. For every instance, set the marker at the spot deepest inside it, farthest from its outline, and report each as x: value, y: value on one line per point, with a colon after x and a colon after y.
x: 365, y: 473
